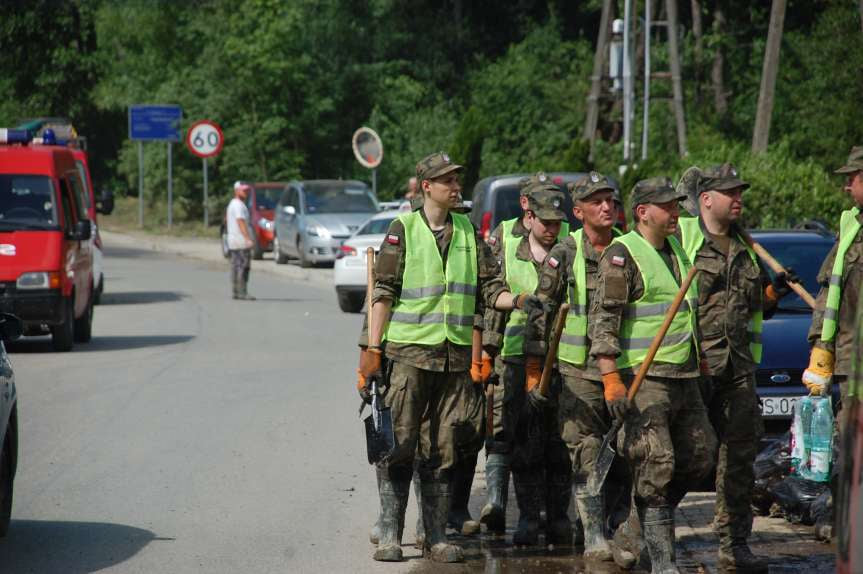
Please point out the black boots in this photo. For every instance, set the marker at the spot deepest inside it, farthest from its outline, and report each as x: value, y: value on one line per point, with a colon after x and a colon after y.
x: 735, y: 556
x: 558, y: 494
x: 658, y: 529
x: 421, y: 529
x: 394, y: 488
x: 529, y: 493
x: 435, y: 504
x: 591, y: 508
x: 462, y: 479
x: 493, y: 514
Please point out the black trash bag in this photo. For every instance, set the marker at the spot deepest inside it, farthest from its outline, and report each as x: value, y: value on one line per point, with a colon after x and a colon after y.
x: 822, y: 514
x: 771, y: 466
x: 796, y: 496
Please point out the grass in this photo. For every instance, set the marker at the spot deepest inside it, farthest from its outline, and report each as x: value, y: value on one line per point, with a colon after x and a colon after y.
x: 125, y: 218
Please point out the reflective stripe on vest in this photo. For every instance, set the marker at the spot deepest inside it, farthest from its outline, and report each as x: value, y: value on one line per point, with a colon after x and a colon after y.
x: 849, y: 226
x: 692, y: 239
x: 643, y: 318
x: 521, y: 277
x: 435, y: 304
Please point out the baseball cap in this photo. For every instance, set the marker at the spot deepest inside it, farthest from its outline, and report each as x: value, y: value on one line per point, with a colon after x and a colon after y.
x: 655, y: 190
x: 436, y: 165
x: 588, y: 185
x: 854, y: 163
x: 720, y: 178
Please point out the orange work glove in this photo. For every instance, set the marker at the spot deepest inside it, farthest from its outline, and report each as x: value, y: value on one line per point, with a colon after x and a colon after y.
x: 487, y: 367
x: 476, y: 372
x: 615, y: 395
x: 533, y: 372
x: 370, y: 362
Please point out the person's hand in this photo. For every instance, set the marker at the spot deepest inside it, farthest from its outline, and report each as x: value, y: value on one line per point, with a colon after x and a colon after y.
x: 779, y: 284
x: 487, y: 368
x: 476, y: 372
x: 370, y: 362
x: 819, y: 374
x: 533, y: 372
x: 363, y: 388
x: 538, y: 400
x: 527, y: 302
x: 249, y: 243
x: 615, y: 395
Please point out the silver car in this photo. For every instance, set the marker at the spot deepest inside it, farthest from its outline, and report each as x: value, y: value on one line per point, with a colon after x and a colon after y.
x: 10, y: 329
x: 314, y: 217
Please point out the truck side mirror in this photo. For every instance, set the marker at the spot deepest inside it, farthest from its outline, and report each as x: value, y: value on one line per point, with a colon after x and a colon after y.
x: 83, y: 230
x: 11, y: 327
x: 105, y: 203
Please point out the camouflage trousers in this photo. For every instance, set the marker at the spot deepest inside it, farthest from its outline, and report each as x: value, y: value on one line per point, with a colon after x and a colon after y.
x: 437, y: 418
x: 667, y: 440
x: 732, y: 405
x: 504, y: 412
x: 241, y: 262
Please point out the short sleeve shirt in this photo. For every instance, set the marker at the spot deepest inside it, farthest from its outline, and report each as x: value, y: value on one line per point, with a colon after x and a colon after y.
x: 236, y: 210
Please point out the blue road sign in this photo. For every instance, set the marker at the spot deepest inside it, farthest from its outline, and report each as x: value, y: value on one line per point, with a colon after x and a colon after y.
x: 155, y: 123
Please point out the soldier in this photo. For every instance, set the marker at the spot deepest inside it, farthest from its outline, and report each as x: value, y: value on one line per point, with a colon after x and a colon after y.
x: 569, y: 274
x: 734, y: 295
x: 832, y: 332
x: 668, y: 441
x: 431, y: 275
x: 540, y: 464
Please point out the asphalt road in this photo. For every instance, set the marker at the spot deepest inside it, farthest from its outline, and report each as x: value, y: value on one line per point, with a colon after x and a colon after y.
x: 194, y: 433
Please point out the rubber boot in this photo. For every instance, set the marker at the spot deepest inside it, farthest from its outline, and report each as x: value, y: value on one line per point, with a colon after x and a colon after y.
x: 375, y: 532
x: 591, y: 508
x: 421, y: 531
x: 735, y: 556
x: 529, y: 495
x: 658, y: 528
x: 435, y: 502
x: 459, y: 517
x: 558, y: 495
x: 394, y: 492
x: 493, y: 514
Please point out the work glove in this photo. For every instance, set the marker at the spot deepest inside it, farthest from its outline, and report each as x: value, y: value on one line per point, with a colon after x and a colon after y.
x: 370, y: 362
x: 615, y: 395
x: 364, y: 388
x: 818, y: 375
x: 480, y: 371
x: 527, y: 302
x: 533, y: 372
x: 778, y: 287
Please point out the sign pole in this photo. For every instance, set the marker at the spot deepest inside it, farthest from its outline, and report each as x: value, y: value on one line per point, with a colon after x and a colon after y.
x: 140, y: 183
x: 375, y: 182
x: 206, y: 206
x: 170, y: 190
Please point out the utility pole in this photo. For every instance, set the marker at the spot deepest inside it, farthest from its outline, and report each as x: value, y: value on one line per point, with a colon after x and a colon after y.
x: 761, y: 133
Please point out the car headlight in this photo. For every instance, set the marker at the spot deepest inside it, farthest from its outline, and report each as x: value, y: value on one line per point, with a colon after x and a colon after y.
x: 265, y: 223
x: 38, y: 280
x: 318, y: 230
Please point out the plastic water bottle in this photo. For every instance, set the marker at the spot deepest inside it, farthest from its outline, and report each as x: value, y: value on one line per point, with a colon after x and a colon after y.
x: 802, y: 432
x: 822, y: 440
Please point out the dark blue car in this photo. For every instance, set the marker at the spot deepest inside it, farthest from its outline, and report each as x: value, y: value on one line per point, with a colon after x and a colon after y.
x: 786, y: 349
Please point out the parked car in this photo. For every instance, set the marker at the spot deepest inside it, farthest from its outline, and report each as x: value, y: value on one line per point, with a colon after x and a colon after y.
x: 314, y: 217
x: 10, y: 329
x: 46, y: 263
x: 349, y: 271
x: 786, y: 348
x: 495, y: 199
x: 261, y: 202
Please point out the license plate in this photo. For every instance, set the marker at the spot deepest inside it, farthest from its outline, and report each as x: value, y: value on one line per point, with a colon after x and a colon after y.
x: 778, y: 406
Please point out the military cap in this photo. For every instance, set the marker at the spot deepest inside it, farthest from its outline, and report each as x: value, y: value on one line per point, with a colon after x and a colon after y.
x: 720, y: 178
x: 436, y: 165
x: 546, y: 201
x: 588, y: 185
x: 655, y: 190
x: 855, y: 161
x: 538, y: 179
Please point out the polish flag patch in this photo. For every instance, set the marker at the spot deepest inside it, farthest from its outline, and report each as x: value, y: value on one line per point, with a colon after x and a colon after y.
x: 617, y: 260
x: 553, y: 262
x: 393, y: 239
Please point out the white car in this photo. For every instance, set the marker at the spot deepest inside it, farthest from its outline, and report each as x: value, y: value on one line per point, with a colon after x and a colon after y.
x: 349, y: 271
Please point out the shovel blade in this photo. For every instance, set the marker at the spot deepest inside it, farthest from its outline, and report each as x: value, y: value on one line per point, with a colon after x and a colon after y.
x: 381, y: 441
x: 603, y: 461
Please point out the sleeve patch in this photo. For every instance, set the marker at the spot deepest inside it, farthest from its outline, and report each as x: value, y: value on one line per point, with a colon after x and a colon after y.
x: 492, y: 240
x: 617, y: 260
x: 393, y: 239
x: 553, y: 263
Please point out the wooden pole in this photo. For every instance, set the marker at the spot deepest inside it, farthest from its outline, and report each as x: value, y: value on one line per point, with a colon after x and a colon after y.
x: 551, y: 355
x: 761, y: 133
x: 599, y: 58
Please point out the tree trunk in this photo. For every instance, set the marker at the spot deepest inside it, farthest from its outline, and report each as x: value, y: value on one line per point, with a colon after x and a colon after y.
x: 698, y: 33
x: 717, y: 73
x: 861, y: 14
x: 761, y: 132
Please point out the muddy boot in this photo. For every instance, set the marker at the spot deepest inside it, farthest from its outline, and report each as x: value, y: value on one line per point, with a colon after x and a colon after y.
x: 735, y: 556
x: 462, y: 480
x: 435, y: 501
x: 421, y: 531
x: 658, y: 528
x: 375, y: 532
x: 592, y: 511
x: 558, y: 530
x: 493, y: 514
x: 394, y: 489
x: 529, y: 495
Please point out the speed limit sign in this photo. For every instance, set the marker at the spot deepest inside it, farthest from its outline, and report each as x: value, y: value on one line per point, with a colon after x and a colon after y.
x: 205, y: 139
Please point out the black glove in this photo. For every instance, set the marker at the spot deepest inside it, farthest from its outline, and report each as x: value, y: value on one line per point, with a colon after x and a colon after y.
x: 539, y: 401
x: 618, y: 408
x: 365, y: 394
x: 780, y: 282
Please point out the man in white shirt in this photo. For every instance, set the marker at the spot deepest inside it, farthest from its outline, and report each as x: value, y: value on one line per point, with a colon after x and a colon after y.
x: 239, y: 241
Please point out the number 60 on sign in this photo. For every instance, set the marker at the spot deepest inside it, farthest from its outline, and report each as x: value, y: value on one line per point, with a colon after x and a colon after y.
x: 205, y: 139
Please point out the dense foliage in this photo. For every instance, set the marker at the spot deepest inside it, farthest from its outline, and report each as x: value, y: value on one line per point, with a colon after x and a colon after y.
x: 501, y: 85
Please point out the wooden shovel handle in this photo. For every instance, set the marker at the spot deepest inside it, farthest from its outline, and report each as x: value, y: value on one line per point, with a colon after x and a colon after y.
x: 370, y: 287
x: 777, y: 268
x: 657, y: 339
x: 551, y: 356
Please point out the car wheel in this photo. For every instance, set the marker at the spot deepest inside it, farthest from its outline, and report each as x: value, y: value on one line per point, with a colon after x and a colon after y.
x: 84, y: 325
x: 63, y: 335
x: 278, y: 256
x: 226, y: 252
x: 257, y: 252
x: 301, y: 250
x: 6, y: 488
x: 349, y: 302
x: 97, y: 296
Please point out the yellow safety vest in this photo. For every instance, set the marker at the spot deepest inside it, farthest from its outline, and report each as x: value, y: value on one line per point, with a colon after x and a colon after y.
x: 849, y: 226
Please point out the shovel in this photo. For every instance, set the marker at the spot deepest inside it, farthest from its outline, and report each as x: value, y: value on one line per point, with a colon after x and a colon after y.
x: 380, y: 439
x: 551, y: 356
x: 606, y: 451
